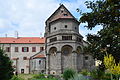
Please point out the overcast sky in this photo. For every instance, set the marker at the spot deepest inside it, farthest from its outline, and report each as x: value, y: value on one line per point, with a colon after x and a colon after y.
x: 27, y: 17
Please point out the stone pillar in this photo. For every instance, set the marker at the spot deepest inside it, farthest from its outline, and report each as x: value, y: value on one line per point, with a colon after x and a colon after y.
x: 74, y: 59
x: 47, y: 63
x: 59, y: 62
x: 54, y: 63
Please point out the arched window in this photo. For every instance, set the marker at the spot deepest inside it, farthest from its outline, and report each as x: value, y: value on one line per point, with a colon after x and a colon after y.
x: 66, y: 50
x: 53, y: 51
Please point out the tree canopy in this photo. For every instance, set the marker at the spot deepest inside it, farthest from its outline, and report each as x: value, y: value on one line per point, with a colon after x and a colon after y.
x: 107, y: 14
x: 6, y: 70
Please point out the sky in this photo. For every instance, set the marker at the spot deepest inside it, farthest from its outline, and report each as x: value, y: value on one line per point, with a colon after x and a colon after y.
x: 27, y: 17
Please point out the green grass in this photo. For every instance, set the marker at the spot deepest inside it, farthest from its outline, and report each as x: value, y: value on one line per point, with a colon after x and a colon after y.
x: 26, y: 76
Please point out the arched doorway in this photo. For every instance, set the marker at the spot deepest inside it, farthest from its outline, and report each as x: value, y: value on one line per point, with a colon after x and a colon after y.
x: 66, y: 57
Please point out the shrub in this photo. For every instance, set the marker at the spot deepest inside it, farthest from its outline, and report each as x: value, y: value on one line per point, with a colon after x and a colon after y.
x: 50, y: 76
x: 85, y: 72
x: 68, y: 73
x: 39, y: 76
x: 97, y: 74
x: 107, y: 76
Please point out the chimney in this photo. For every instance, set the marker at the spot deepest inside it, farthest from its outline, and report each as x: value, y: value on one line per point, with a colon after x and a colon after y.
x: 16, y: 34
x: 40, y: 34
x: 6, y: 35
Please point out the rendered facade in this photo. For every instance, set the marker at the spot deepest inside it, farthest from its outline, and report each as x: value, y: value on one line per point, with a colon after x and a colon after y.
x: 21, y: 49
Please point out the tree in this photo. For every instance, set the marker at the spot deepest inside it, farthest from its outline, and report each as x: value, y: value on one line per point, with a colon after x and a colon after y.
x: 107, y: 14
x: 110, y: 64
x: 6, y: 70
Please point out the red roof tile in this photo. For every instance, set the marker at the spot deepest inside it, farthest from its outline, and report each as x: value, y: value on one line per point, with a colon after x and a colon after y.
x: 40, y: 56
x: 22, y: 40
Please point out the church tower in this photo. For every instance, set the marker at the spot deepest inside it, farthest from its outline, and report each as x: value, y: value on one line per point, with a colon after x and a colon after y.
x: 63, y: 42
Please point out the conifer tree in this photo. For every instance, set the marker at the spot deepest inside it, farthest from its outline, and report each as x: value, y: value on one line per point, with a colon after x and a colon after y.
x: 6, y: 70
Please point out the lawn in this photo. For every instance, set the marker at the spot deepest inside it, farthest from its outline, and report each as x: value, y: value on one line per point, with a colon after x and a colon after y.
x: 26, y: 76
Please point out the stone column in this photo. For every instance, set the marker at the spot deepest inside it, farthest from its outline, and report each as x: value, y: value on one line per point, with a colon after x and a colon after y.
x: 74, y: 59
x: 59, y: 62
x: 47, y: 63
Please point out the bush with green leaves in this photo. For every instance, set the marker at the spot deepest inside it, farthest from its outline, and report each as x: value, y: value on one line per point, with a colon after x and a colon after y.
x: 97, y: 74
x: 39, y: 76
x: 50, y: 76
x: 68, y: 73
x: 85, y: 72
x: 16, y: 78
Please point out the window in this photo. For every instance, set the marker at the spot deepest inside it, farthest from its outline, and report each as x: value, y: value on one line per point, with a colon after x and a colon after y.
x: 25, y: 49
x: 66, y: 37
x: 75, y: 28
x: 33, y: 49
x: 53, y: 39
x: 39, y: 62
x: 54, y: 28
x: 78, y: 39
x: 24, y: 58
x: 61, y: 11
x: 7, y: 49
x: 66, y: 52
x: 65, y: 26
x: 41, y: 48
x: 86, y: 57
x: 65, y: 14
x: 16, y: 49
x: 22, y: 71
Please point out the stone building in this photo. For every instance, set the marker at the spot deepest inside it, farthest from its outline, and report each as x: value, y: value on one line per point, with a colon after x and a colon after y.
x: 64, y: 44
x: 63, y: 47
x: 20, y: 50
x: 37, y: 63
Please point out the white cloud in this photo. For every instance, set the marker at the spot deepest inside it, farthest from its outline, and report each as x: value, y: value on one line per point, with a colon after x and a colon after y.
x: 28, y: 16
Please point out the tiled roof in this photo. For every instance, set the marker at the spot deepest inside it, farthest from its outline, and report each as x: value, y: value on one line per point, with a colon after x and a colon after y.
x: 24, y: 40
x: 61, y: 13
x: 61, y: 17
x: 40, y: 56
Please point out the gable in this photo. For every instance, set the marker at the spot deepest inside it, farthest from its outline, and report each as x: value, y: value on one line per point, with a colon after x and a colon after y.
x: 61, y: 12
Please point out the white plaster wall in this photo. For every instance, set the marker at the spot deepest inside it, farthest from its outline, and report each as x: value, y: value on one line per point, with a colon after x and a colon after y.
x: 22, y: 64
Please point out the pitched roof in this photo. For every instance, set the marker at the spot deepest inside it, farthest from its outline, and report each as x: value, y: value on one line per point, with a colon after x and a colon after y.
x: 61, y: 13
x: 24, y: 40
x: 40, y: 56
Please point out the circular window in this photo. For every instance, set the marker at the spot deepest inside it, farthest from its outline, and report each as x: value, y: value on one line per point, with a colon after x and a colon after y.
x: 54, y: 28
x: 65, y: 26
